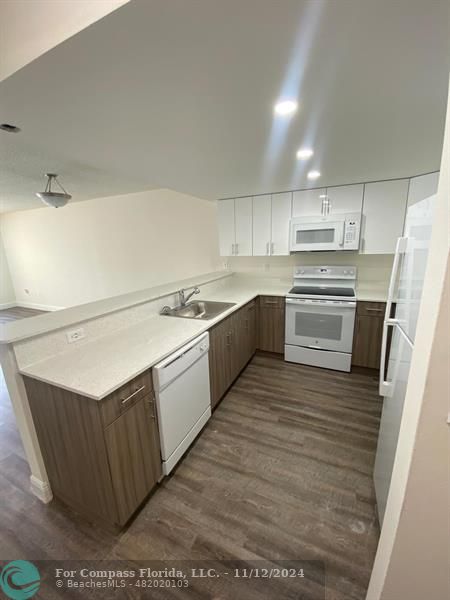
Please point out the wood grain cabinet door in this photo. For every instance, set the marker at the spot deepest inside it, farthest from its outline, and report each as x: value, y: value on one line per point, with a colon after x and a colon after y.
x: 271, y: 326
x: 238, y: 341
x: 134, y: 457
x: 219, y: 360
x: 245, y: 341
x: 368, y: 334
x: 250, y: 326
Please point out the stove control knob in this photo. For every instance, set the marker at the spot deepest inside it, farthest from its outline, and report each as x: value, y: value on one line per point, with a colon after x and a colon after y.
x: 345, y: 272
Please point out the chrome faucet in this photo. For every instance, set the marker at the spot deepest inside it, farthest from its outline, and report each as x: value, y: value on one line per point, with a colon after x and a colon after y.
x: 184, y: 299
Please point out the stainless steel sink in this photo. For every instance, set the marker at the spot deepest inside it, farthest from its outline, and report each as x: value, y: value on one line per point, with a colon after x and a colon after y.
x: 199, y: 309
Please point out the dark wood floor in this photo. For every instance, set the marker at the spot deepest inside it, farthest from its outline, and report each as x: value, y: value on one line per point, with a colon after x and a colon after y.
x: 283, y: 470
x: 16, y: 312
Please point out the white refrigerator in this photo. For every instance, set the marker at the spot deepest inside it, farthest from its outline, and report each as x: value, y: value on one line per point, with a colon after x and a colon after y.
x: 402, y: 308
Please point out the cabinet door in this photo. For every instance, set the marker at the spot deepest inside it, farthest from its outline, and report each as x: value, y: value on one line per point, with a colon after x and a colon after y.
x: 225, y: 215
x: 422, y: 187
x: 132, y: 443
x: 250, y: 328
x: 307, y: 203
x: 271, y: 326
x: 281, y: 214
x: 383, y: 216
x: 243, y: 337
x: 219, y: 360
x: 238, y: 337
x: 243, y: 224
x: 262, y: 208
x: 346, y: 198
x: 368, y: 334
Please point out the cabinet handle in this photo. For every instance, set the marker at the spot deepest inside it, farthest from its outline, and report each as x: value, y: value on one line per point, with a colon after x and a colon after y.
x: 152, y: 409
x: 270, y: 301
x: 232, y: 249
x: 125, y: 400
x: 271, y: 248
x: 229, y: 338
x: 267, y: 248
x: 236, y: 249
x: 378, y: 310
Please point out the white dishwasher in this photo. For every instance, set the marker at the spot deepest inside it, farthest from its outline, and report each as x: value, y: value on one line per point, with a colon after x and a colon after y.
x: 183, y: 398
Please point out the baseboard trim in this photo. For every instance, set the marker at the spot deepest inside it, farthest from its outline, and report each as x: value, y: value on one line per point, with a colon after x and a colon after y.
x: 7, y: 305
x: 41, y: 489
x: 37, y: 306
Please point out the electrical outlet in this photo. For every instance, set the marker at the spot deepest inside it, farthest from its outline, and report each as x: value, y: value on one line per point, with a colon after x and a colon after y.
x: 75, y: 334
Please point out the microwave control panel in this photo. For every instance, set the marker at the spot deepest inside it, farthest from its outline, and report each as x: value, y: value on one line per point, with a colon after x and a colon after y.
x: 351, y: 234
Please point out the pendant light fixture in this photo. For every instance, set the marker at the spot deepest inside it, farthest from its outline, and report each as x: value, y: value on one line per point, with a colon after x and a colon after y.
x: 55, y: 199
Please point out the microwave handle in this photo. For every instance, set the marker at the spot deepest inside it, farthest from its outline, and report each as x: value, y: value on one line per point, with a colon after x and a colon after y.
x: 341, y: 243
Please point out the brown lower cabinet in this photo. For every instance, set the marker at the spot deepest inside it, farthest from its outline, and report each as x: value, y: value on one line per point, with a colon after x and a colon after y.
x: 232, y: 343
x: 271, y: 324
x: 368, y: 334
x: 102, y: 458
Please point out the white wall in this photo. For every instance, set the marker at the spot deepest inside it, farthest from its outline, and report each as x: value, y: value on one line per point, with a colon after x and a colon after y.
x: 7, y: 297
x: 412, y: 560
x: 28, y: 28
x: 108, y: 246
x: 373, y: 270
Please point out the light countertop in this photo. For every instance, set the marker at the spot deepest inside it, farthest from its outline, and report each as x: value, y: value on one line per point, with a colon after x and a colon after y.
x: 51, y: 321
x: 99, y: 367
x: 106, y: 363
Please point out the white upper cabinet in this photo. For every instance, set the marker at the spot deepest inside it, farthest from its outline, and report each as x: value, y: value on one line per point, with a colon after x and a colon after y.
x: 308, y: 203
x: 225, y: 215
x: 341, y: 199
x: 345, y: 198
x: 383, y: 216
x: 262, y: 225
x: 281, y: 214
x: 243, y: 226
x: 422, y: 187
x: 271, y: 216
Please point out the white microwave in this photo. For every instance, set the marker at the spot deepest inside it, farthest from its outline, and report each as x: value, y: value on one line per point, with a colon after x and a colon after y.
x: 334, y: 232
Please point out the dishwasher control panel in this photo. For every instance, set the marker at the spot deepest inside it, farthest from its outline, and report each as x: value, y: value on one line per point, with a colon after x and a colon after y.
x: 175, y: 364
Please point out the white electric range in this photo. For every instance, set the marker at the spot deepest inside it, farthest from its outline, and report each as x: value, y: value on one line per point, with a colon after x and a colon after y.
x: 320, y: 317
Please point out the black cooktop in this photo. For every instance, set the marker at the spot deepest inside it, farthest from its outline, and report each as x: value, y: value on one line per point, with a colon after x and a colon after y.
x: 323, y: 291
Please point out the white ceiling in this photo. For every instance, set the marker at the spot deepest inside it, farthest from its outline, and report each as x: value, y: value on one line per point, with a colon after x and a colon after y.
x: 179, y: 94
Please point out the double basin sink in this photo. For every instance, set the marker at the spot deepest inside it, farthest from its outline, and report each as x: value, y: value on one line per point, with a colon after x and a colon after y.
x: 199, y: 309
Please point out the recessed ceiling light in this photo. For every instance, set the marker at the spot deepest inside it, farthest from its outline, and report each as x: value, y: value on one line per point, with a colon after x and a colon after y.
x: 9, y: 128
x: 304, y: 153
x: 313, y: 174
x: 286, y: 107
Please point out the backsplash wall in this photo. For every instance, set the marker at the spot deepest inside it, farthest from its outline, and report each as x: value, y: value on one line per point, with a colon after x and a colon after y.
x: 373, y: 270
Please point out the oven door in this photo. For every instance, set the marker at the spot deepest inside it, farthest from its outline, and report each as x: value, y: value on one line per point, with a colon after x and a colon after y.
x: 322, y: 235
x: 320, y: 324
